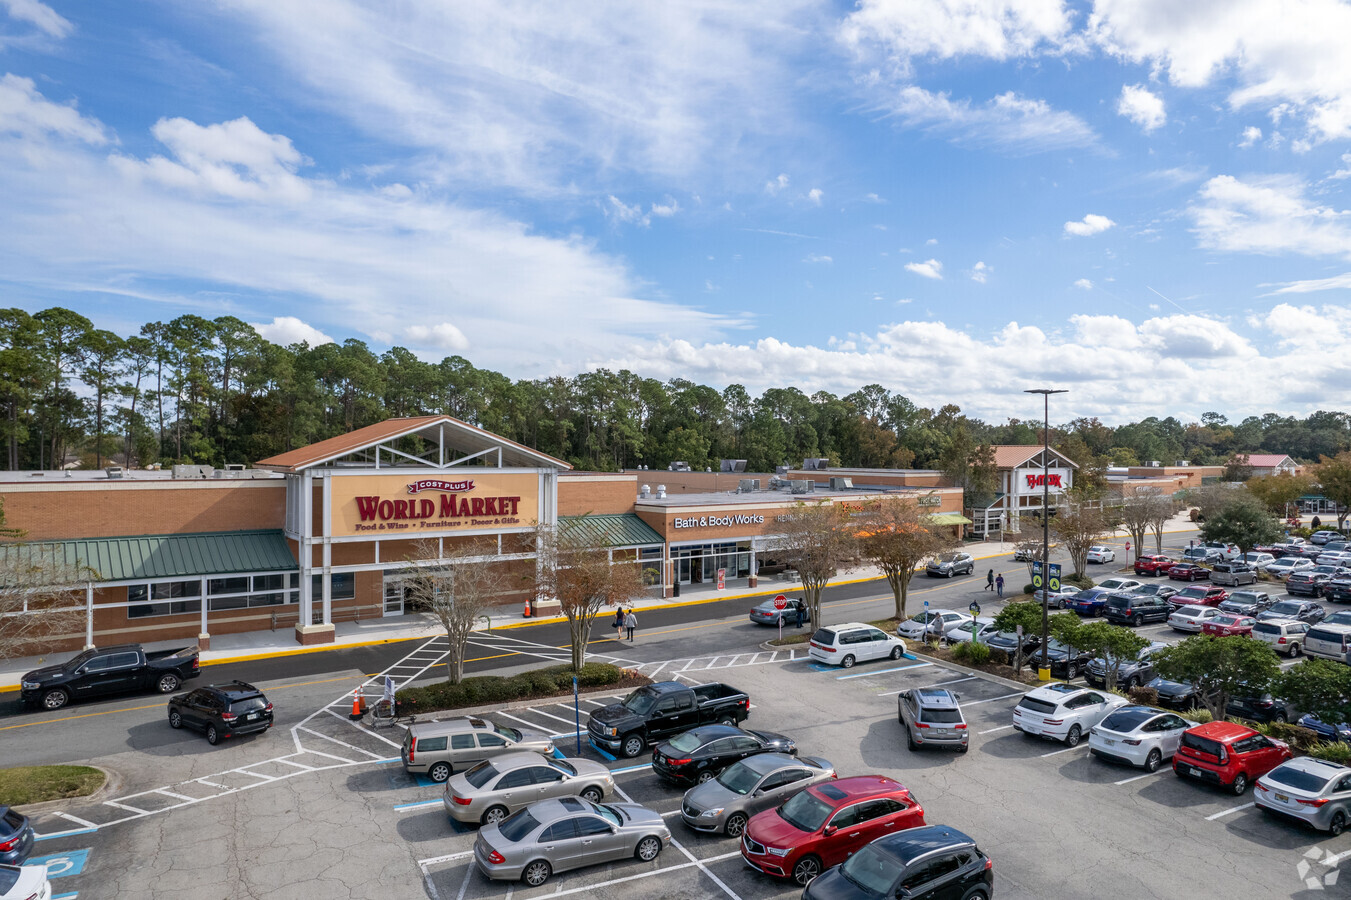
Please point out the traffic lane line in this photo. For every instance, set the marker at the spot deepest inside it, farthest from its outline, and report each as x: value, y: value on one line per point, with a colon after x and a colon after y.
x: 109, y: 712
x: 1230, y: 811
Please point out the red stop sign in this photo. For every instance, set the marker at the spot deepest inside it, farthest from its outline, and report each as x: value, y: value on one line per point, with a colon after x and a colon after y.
x: 780, y: 602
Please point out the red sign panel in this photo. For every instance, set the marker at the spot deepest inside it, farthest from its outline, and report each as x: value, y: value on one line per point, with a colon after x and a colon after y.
x: 780, y: 602
x: 431, y: 484
x: 1041, y: 480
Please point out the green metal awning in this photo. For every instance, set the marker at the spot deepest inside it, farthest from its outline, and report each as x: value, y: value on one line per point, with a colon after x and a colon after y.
x: 620, y: 530
x: 949, y: 519
x: 145, y: 557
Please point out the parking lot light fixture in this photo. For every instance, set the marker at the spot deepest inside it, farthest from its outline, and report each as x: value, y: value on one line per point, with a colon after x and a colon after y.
x: 1044, y: 670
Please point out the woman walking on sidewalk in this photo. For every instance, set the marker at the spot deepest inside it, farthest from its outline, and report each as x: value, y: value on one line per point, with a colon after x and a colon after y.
x: 989, y: 580
x: 619, y: 624
x: 630, y: 623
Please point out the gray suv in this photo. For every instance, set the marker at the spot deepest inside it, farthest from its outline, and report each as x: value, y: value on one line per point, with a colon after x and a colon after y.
x: 931, y: 716
x: 439, y: 749
x: 950, y: 564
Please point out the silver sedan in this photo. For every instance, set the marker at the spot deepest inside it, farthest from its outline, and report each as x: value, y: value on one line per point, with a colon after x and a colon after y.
x: 558, y: 835
x: 753, y: 785
x: 495, y: 788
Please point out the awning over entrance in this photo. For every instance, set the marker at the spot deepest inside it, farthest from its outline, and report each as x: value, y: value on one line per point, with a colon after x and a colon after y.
x: 950, y: 518
x: 621, y: 530
x: 147, y: 557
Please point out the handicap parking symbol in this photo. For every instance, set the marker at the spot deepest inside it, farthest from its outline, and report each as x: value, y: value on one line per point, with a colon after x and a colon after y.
x: 61, y: 865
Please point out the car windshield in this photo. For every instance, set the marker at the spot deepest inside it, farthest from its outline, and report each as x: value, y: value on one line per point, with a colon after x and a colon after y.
x: 1003, y: 636
x: 739, y: 778
x: 9, y: 876
x: 872, y: 870
x: 1224, y: 620
x: 805, y: 811
x: 481, y: 774
x: 518, y: 827
x: 608, y: 814
x: 640, y: 702
x: 1243, y: 597
x: 563, y: 766
x: 687, y: 742
x: 1127, y: 719
x: 1286, y: 608
x: 923, y: 617
x: 1298, y: 779
x: 510, y: 734
x: 1055, y: 646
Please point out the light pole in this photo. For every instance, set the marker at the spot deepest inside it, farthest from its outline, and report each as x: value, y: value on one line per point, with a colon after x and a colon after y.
x: 1045, y: 668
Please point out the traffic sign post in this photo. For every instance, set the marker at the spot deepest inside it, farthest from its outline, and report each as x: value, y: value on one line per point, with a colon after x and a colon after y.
x: 781, y: 603
x: 974, y: 609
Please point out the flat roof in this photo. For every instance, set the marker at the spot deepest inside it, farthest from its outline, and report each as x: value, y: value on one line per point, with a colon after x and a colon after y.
x: 751, y: 498
x: 69, y: 476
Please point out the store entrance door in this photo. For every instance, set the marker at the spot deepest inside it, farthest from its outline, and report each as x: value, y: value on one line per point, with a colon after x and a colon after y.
x: 394, y: 595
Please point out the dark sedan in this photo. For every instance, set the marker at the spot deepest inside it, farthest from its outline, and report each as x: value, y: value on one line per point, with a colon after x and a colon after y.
x: 1259, y: 708
x: 1303, y: 610
x: 1327, y: 733
x: 700, y: 754
x: 1066, y: 662
x: 1174, y: 694
x: 766, y: 614
x: 1090, y: 602
x: 1185, y: 571
x: 1008, y: 642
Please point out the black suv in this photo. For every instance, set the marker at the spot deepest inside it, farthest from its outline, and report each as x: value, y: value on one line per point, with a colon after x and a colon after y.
x: 932, y: 861
x: 222, y: 710
x: 1135, y: 609
x: 1130, y: 673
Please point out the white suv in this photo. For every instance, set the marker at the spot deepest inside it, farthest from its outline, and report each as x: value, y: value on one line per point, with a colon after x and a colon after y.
x: 1063, y: 712
x: 1138, y: 735
x: 1285, y: 636
x: 844, y: 645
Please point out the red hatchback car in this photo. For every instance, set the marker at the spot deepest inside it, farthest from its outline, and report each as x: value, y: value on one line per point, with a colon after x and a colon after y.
x: 1227, y: 754
x: 1225, y: 625
x: 1198, y: 595
x: 1153, y: 565
x: 1185, y: 571
x: 821, y: 826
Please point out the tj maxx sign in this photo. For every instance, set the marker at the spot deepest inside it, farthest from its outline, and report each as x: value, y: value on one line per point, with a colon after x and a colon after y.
x: 1040, y: 480
x: 1034, y: 481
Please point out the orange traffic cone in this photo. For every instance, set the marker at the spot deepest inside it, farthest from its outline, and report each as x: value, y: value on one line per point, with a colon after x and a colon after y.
x: 526, y: 611
x: 361, y: 699
x: 356, y: 708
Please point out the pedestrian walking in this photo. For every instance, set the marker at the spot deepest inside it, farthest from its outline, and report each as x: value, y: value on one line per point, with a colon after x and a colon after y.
x: 801, y: 612
x: 989, y: 580
x: 619, y: 624
x: 630, y: 623
x: 999, y: 585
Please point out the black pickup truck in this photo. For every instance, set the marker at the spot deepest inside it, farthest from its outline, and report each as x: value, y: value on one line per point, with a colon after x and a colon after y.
x: 110, y: 670
x: 657, y: 711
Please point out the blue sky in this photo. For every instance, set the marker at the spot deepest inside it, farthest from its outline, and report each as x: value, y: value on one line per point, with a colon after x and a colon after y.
x: 1140, y: 200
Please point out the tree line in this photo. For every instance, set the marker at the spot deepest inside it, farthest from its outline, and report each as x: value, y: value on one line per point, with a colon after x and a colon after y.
x: 213, y: 391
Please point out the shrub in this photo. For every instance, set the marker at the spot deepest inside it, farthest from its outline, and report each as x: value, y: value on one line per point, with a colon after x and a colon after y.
x: 972, y: 653
x: 1194, y: 515
x: 998, y: 657
x: 1335, y: 751
x: 479, y: 690
x: 1144, y: 696
x: 1029, y: 588
x: 1198, y: 715
x: 1300, y: 739
x: 1079, y: 581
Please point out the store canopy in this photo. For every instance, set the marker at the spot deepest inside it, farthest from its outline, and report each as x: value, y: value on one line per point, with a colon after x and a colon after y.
x: 146, y: 557
x: 621, y: 530
x: 949, y: 519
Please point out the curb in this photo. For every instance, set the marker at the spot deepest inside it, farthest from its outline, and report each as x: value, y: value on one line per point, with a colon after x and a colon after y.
x: 458, y: 711
x: 111, y: 784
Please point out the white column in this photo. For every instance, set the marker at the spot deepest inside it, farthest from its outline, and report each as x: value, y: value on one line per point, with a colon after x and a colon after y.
x: 326, y: 580
x: 202, y: 592
x: 306, y: 549
x: 89, y: 615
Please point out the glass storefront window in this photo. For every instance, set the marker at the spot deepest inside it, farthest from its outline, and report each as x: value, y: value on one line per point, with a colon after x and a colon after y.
x: 141, y: 595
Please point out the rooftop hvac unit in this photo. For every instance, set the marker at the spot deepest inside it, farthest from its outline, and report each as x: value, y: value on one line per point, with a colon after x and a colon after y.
x: 679, y: 466
x: 732, y: 465
x: 661, y: 492
x: 646, y: 491
x: 235, y: 467
x: 1184, y: 462
x: 802, y: 486
x: 1154, y: 464
x: 746, y: 485
x: 816, y: 463
x: 780, y: 470
x: 841, y: 484
x: 193, y: 471
x: 776, y: 483
x: 114, y: 471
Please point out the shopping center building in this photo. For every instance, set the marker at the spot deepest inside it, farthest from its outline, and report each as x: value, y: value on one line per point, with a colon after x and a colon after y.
x: 333, y: 532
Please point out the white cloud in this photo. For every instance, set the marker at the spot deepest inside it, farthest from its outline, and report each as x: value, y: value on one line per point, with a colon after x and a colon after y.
x: 1141, y: 107
x: 1343, y: 173
x: 1251, y: 135
x: 980, y: 272
x: 441, y: 336
x: 874, y: 198
x: 897, y: 31
x: 1084, y: 284
x: 26, y: 114
x: 817, y: 258
x: 46, y: 19
x: 1334, y: 283
x: 1010, y: 123
x: 931, y: 242
x: 774, y: 185
x: 286, y: 330
x: 815, y: 195
x: 1089, y: 225
x: 929, y: 269
x: 1290, y: 55
x: 620, y: 211
x: 666, y: 210
x: 1268, y: 215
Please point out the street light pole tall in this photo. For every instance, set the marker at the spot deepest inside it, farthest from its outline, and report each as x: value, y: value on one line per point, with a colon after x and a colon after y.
x: 1045, y: 522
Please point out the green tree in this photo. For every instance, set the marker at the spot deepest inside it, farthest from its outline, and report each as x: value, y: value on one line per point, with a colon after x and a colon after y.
x: 970, y: 466
x: 1024, y: 614
x: 21, y: 379
x: 1277, y: 492
x: 1333, y: 475
x: 1220, y: 668
x: 102, y: 365
x: 1319, y: 687
x: 1244, y: 521
x: 1077, y: 526
x: 896, y: 535
x: 1112, y: 644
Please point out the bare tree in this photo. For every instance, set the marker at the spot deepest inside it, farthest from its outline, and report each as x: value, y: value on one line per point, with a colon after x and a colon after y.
x: 41, y: 598
x: 1077, y: 527
x: 1159, y: 514
x: 896, y: 536
x: 1140, y: 513
x: 582, y: 576
x: 818, y: 540
x: 458, y: 587
x: 1030, y: 552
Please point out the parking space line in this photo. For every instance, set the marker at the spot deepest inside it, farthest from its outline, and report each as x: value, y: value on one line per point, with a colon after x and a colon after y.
x: 418, y: 805
x: 114, y: 803
x: 653, y: 673
x: 693, y: 861
x: 449, y: 857
x: 710, y: 665
x: 926, y: 686
x: 364, y: 731
x: 993, y: 699
x: 1065, y: 750
x: 61, y: 834
x: 289, y: 762
x: 76, y: 819
x: 525, y: 722
x: 687, y: 665
x: 223, y: 787
x: 341, y: 759
x: 246, y: 771
x: 178, y: 796
x: 663, y: 870
x: 336, y: 741
x: 1220, y: 815
x: 631, y: 769
x: 993, y: 730
x: 1160, y: 771
x: 883, y: 671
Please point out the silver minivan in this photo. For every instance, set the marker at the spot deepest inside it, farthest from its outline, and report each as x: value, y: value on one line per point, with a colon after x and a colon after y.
x: 439, y: 749
x: 1329, y: 642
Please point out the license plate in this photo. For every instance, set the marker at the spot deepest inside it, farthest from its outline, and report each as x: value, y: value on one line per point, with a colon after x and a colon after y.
x: 1109, y: 742
x: 1194, y: 770
x: 1283, y: 798
x: 250, y: 717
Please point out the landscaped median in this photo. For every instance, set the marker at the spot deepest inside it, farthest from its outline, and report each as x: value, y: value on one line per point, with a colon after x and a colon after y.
x: 25, y: 785
x: 537, y: 684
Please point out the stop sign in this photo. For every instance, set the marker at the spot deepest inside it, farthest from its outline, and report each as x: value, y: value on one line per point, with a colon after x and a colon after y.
x: 780, y: 602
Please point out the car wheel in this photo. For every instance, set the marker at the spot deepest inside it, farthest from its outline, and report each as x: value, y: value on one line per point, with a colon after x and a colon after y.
x: 1338, y: 824
x: 807, y: 868
x: 1072, y: 671
x: 705, y: 776
x: 537, y: 873
x: 1295, y: 650
x: 735, y: 825
x: 175, y: 720
x: 439, y: 772
x: 493, y: 814
x: 1280, y: 717
x: 1075, y: 735
x: 633, y: 745
x: 727, y: 720
x: 1240, y: 784
x: 648, y: 848
x: 910, y: 741
x: 1153, y: 761
x: 976, y: 893
x: 1138, y: 620
x: 1061, y: 604
x: 895, y: 652
x: 55, y: 699
x: 848, y: 661
x: 168, y: 683
x: 212, y: 735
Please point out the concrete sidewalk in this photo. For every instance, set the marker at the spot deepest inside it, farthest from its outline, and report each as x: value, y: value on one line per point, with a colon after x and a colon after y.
x: 253, y: 645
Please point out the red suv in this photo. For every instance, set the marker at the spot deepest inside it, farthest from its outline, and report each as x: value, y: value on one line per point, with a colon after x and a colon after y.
x: 1153, y: 565
x: 1198, y: 595
x: 821, y: 826
x: 1227, y: 754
